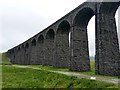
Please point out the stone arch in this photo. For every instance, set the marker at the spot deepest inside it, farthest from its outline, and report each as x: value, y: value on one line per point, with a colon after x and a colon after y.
x: 83, y: 17
x: 40, y: 39
x: 27, y: 45
x: 50, y: 34
x: 22, y: 46
x: 80, y: 53
x: 33, y: 56
x: 63, y: 28
x: 49, y: 47
x: 10, y: 52
x: 108, y: 50
x: 22, y: 51
x: 9, y: 55
x: 13, y: 56
x: 27, y: 55
x: 18, y: 48
x: 62, y: 45
x: 109, y: 8
x: 40, y: 50
x: 33, y: 42
x: 18, y: 54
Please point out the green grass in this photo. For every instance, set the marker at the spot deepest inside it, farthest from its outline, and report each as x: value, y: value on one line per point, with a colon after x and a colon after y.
x: 92, y: 72
x: 49, y: 68
x: 14, y: 77
x: 92, y: 68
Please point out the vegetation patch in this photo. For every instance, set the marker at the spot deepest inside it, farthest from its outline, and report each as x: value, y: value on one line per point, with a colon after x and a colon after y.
x: 14, y: 77
x: 91, y: 72
x: 4, y: 59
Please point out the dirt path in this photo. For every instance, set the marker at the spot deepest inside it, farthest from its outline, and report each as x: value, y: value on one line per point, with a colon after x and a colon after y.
x: 92, y: 77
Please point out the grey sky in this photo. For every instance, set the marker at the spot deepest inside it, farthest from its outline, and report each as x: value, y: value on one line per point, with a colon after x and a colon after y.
x: 21, y: 19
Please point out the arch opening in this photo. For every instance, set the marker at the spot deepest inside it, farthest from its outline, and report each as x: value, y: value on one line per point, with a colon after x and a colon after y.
x: 27, y: 61
x: 26, y: 45
x: 50, y: 34
x: 10, y: 52
x: 117, y: 15
x: 91, y: 42
x: 18, y: 54
x: 80, y: 51
x: 33, y: 42
x: 22, y: 59
x: 40, y: 51
x: 49, y: 48
x: 63, y: 28
x: 13, y: 55
x: 41, y: 39
x: 33, y: 58
x: 62, y: 44
x: 18, y: 48
x: 82, y: 18
x: 22, y: 47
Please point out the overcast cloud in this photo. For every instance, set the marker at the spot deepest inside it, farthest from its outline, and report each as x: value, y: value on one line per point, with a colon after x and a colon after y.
x: 22, y: 19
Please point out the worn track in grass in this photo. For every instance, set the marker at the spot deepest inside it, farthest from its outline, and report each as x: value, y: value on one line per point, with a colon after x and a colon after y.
x: 93, y: 77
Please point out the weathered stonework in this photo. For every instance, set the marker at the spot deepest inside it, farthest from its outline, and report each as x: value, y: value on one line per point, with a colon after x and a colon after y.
x: 64, y: 44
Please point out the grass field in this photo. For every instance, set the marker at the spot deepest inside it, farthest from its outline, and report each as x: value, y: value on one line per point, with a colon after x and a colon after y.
x: 15, y: 77
x: 92, y: 72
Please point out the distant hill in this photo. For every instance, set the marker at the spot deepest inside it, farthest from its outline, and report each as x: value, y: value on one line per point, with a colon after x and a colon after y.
x: 92, y: 58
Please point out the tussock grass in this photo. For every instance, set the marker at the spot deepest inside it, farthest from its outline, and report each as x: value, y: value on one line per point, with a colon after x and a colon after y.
x: 14, y: 77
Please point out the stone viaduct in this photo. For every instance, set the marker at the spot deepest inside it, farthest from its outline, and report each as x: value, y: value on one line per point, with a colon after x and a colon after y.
x: 65, y: 42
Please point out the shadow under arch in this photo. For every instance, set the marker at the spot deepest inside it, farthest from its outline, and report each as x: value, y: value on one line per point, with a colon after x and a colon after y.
x: 27, y: 54
x: 108, y: 47
x: 40, y: 39
x: 12, y: 56
x: 83, y: 17
x: 33, y: 43
x: 33, y: 55
x: 80, y: 53
x: 18, y: 52
x: 40, y: 50
x: 50, y: 34
x: 22, y: 54
x: 49, y: 48
x: 62, y: 45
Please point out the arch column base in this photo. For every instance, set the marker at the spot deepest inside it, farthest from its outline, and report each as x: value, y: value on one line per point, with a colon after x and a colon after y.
x: 79, y: 50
